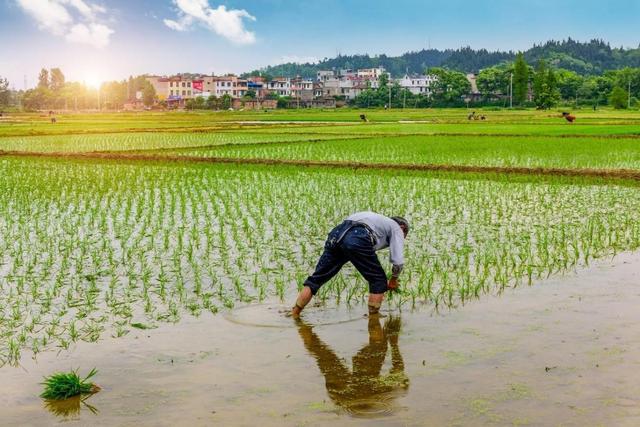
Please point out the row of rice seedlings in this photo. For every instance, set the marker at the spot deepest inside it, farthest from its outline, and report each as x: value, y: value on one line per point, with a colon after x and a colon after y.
x: 88, y: 248
x: 471, y: 150
x: 140, y: 141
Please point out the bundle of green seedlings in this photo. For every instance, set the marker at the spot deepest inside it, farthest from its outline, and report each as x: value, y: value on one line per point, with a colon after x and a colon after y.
x: 63, y: 385
x: 95, y: 248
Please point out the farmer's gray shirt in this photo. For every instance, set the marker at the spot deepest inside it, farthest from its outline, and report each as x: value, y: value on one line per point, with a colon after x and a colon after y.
x: 387, y: 233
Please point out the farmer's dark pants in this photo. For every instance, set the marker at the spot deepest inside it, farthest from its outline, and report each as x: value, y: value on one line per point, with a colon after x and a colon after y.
x: 349, y: 242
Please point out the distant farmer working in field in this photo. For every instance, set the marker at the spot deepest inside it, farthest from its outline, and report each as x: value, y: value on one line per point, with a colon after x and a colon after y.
x: 356, y: 240
x: 569, y: 117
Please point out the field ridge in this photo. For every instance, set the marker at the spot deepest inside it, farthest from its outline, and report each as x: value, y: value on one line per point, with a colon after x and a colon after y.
x: 626, y: 174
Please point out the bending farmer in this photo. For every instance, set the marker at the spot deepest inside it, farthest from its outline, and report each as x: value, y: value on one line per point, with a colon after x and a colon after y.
x: 356, y: 240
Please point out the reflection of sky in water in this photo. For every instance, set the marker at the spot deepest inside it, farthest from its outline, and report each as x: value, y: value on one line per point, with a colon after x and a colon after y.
x: 362, y: 391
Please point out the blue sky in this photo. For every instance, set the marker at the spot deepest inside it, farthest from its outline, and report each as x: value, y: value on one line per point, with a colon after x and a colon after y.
x: 95, y: 40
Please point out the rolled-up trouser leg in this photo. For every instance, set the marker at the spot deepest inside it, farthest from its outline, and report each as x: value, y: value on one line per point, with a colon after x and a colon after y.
x: 328, y: 266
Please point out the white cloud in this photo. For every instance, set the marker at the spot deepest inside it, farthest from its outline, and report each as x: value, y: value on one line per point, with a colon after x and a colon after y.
x: 228, y: 23
x: 51, y: 16
x: 181, y: 25
x: 76, y: 20
x: 93, y: 34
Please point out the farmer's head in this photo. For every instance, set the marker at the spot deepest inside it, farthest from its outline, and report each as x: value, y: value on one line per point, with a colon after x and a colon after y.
x: 403, y: 223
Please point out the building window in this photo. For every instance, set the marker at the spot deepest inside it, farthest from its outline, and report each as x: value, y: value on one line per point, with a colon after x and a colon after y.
x: 184, y: 91
x: 188, y: 84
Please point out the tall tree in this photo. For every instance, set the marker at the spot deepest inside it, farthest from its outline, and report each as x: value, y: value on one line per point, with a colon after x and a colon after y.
x: 520, y: 79
x: 552, y: 95
x: 148, y: 94
x: 43, y: 79
x: 56, y: 79
x: 450, y: 86
x: 131, y: 93
x: 569, y: 84
x: 618, y: 98
x: 5, y: 93
x: 539, y: 78
x: 383, y: 81
x: 494, y: 82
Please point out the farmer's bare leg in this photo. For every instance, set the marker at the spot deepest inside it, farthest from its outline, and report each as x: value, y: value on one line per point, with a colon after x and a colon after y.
x: 375, y: 302
x: 303, y: 299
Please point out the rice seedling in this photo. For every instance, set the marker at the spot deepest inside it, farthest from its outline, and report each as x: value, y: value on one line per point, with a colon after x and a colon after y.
x: 63, y: 385
x: 142, y: 141
x: 468, y: 150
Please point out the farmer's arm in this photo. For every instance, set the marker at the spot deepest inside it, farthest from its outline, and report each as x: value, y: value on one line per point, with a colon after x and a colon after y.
x: 396, y: 255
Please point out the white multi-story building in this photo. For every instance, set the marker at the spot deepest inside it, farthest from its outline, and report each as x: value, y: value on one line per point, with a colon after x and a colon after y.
x: 371, y: 73
x: 230, y: 85
x: 281, y: 86
x: 418, y: 85
x: 302, y: 88
x: 324, y: 75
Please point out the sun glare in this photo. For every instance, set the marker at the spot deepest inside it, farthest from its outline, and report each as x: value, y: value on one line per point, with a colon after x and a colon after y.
x: 93, y: 82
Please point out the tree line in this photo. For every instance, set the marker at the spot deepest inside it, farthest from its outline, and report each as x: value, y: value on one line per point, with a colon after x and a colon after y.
x: 516, y: 84
x: 53, y: 92
x: 544, y: 86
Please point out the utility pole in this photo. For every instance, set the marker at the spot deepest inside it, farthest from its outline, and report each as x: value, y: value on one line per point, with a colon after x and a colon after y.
x: 629, y: 95
x: 389, y: 85
x: 511, y: 91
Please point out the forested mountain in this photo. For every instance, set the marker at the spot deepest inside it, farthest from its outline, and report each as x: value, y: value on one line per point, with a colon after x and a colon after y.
x: 586, y: 58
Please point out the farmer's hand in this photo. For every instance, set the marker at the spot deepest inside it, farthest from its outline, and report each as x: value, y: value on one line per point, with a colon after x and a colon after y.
x: 393, y: 284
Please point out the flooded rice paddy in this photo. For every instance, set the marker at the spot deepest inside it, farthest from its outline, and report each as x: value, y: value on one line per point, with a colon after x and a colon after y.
x: 172, y: 278
x: 562, y: 352
x: 96, y: 249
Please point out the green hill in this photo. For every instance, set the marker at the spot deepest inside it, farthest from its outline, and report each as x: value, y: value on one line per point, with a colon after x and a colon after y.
x: 586, y: 58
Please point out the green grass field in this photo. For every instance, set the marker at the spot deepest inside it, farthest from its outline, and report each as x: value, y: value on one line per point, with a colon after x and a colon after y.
x: 90, y: 247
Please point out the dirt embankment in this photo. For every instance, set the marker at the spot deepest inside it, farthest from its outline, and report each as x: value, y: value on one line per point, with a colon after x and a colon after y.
x: 624, y: 174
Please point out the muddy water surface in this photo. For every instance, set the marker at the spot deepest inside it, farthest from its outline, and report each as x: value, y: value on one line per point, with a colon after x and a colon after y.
x: 563, y: 352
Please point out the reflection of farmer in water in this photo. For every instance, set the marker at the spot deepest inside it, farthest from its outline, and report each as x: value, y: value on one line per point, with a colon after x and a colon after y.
x: 356, y: 240
x: 364, y: 388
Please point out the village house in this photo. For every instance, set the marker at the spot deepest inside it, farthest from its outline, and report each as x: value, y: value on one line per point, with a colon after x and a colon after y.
x: 302, y: 89
x: 280, y: 86
x: 230, y: 85
x: 371, y: 73
x: 324, y: 75
x: 344, y: 84
x: 418, y: 84
x: 161, y: 86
